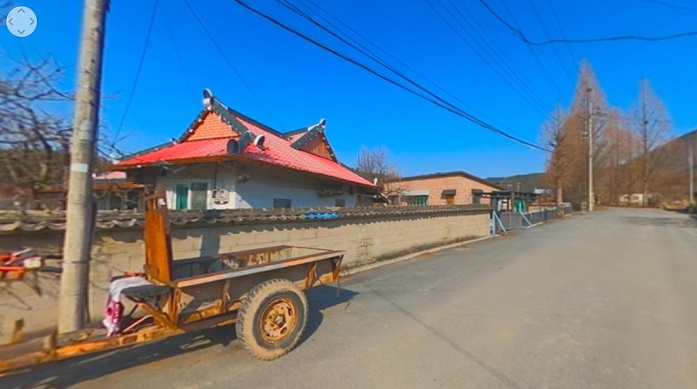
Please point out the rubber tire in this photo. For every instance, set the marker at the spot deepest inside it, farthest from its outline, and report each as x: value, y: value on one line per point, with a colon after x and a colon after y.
x: 248, y: 316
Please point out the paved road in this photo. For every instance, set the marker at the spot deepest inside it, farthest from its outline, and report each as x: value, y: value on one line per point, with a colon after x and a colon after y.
x: 607, y: 300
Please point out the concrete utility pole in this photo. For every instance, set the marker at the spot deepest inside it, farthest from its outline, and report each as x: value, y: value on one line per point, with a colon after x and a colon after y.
x: 590, y: 153
x: 72, y: 302
x: 691, y: 166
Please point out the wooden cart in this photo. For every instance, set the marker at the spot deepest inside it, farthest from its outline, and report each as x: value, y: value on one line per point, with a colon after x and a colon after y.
x: 261, y: 291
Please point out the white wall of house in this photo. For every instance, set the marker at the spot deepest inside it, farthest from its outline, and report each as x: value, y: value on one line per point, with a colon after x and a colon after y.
x: 248, y: 187
x: 634, y: 199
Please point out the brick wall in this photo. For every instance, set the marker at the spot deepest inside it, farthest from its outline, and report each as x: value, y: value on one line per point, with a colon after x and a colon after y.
x: 436, y: 185
x: 365, y: 240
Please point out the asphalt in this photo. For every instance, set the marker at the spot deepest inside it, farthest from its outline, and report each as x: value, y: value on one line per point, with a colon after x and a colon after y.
x: 607, y: 300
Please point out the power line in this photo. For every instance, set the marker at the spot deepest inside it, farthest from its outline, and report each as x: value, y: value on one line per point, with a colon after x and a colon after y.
x: 484, y: 51
x: 561, y: 31
x: 547, y: 35
x: 357, y: 33
x: 141, y: 60
x: 447, y: 106
x: 488, y: 53
x: 177, y: 52
x: 360, y: 49
x: 536, y: 57
x: 522, y: 36
x: 491, y: 50
x: 439, y: 100
x: 229, y: 61
x: 367, y: 52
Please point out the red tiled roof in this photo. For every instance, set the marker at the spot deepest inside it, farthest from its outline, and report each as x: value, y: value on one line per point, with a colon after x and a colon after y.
x: 293, y: 137
x: 209, y: 136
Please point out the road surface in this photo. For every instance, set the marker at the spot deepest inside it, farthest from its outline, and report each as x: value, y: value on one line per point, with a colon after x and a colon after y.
x: 607, y: 300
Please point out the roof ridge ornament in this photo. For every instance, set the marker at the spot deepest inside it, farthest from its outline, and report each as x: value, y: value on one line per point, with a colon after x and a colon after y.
x: 237, y: 146
x: 208, y: 99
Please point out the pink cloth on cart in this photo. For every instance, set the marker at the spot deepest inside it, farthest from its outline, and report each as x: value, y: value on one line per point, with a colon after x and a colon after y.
x: 114, y: 308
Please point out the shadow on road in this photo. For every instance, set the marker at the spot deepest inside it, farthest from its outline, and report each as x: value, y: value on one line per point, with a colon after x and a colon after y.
x: 69, y: 372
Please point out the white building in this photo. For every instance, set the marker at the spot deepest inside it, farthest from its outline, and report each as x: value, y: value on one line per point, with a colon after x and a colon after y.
x: 634, y: 199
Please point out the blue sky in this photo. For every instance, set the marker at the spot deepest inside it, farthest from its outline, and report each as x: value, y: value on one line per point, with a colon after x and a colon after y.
x: 298, y: 83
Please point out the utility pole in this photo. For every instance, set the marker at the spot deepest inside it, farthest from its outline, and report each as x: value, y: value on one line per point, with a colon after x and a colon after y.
x: 590, y: 152
x: 691, y: 166
x: 72, y: 302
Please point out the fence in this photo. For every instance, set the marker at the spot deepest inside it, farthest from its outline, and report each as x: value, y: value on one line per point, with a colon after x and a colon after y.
x: 506, y: 221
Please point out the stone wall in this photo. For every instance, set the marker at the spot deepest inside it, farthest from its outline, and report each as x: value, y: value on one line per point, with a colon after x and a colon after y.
x: 365, y: 240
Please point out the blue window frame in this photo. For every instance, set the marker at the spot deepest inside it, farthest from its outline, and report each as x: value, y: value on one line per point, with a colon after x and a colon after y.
x: 418, y: 201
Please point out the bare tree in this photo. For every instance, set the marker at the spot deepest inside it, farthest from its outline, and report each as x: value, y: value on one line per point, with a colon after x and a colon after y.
x: 588, y: 94
x: 35, y: 126
x: 617, y: 163
x: 630, y: 152
x: 34, y: 145
x: 374, y: 165
x: 375, y: 162
x: 558, y: 163
x: 652, y: 128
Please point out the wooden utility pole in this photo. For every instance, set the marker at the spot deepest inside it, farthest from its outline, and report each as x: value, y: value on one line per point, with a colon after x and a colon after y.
x: 591, y: 197
x: 691, y: 167
x: 72, y: 302
x: 645, y: 156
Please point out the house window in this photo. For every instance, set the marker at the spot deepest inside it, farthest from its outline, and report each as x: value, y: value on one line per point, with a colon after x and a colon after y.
x: 115, y: 201
x: 281, y: 203
x: 449, y: 196
x: 191, y: 195
x: 339, y: 203
x: 119, y: 200
x: 133, y: 199
x: 418, y: 201
x: 477, y: 196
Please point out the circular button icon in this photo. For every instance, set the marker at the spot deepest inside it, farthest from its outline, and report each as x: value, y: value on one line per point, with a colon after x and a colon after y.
x: 21, y: 21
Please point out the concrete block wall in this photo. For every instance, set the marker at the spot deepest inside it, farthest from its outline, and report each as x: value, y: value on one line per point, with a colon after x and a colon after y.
x: 365, y: 240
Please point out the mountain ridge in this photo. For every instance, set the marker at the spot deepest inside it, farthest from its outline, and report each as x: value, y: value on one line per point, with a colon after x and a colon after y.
x: 528, y: 182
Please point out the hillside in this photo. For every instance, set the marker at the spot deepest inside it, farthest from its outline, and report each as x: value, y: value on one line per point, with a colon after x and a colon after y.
x: 671, y: 177
x: 528, y: 182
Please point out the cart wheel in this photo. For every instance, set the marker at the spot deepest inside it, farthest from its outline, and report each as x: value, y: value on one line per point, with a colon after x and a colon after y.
x: 272, y: 319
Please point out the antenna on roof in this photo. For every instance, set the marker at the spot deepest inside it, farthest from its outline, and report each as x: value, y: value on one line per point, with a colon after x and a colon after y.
x: 207, y: 98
